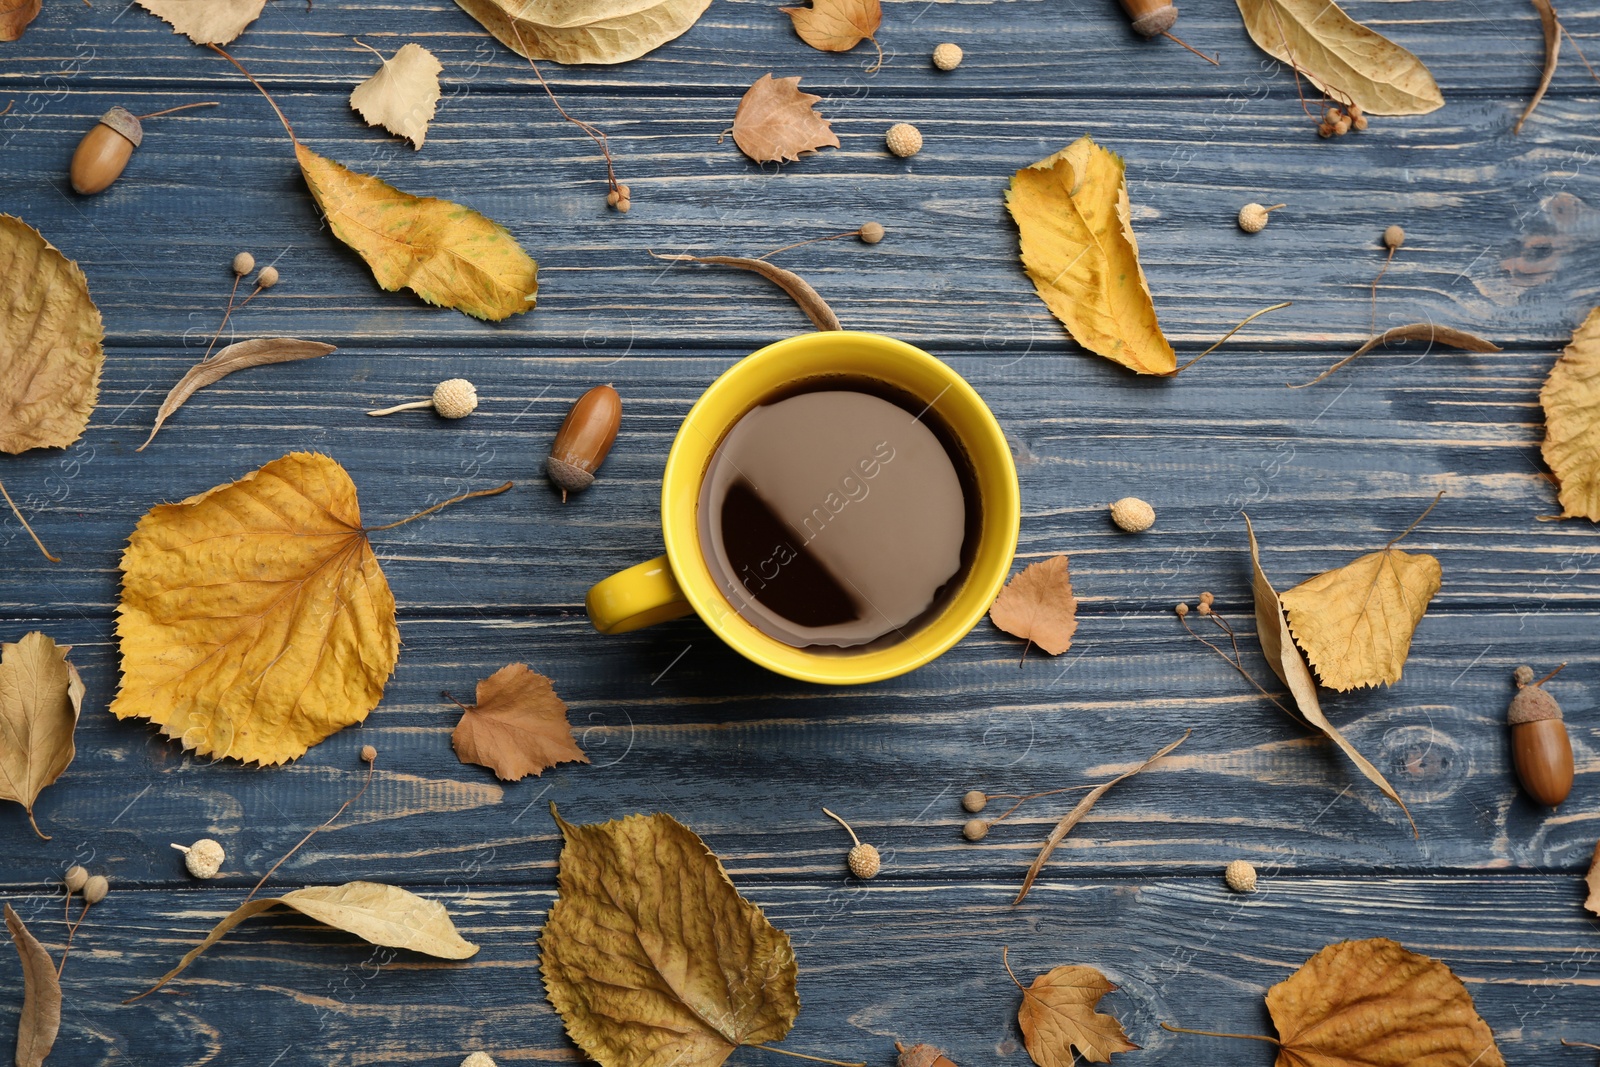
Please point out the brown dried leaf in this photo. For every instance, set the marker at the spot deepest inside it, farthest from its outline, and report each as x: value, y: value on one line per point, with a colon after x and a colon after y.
x: 1571, y: 401
x: 799, y: 290
x: 518, y: 726
x: 1283, y: 656
x: 585, y: 31
x: 1342, y: 57
x: 1592, y: 879
x: 1057, y: 1015
x: 15, y: 15
x: 1552, y: 57
x: 838, y: 25
x: 1374, y: 1003
x: 40, y: 698
x: 402, y: 94
x: 921, y: 1056
x: 1037, y: 605
x: 776, y: 121
x: 1075, y: 816
x: 206, y: 21
x: 41, y: 998
x: 1415, y: 331
x: 255, y: 353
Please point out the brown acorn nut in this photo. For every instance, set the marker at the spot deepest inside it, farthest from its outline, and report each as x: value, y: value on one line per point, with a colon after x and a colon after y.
x: 105, y: 151
x: 1541, y: 751
x: 586, y: 435
x: 922, y: 1056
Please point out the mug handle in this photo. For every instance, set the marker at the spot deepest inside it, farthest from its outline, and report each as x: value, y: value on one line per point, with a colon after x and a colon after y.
x: 642, y: 595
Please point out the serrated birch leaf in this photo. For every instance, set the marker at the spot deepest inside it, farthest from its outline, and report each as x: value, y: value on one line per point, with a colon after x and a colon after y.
x: 1078, y: 247
x: 206, y: 21
x: 401, y: 95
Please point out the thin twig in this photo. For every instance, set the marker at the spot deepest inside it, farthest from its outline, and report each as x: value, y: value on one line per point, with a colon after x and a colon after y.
x: 1192, y: 48
x: 1230, y: 333
x: 180, y: 107
x: 1549, y: 676
x: 370, y: 768
x: 228, y: 311
x: 803, y: 1056
x: 842, y: 823
x: 595, y: 133
x: 1239, y: 666
x: 811, y: 241
x: 72, y: 929
x: 496, y: 491
x: 53, y: 559
x: 1417, y: 522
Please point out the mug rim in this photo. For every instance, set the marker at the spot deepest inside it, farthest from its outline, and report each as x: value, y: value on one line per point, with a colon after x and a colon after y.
x: 723, y: 403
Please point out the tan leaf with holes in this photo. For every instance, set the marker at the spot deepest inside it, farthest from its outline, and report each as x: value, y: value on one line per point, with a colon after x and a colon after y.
x: 776, y: 121
x: 1571, y: 400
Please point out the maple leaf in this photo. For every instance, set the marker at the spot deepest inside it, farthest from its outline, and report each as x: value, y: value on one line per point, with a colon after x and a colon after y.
x: 41, y: 998
x: 206, y: 21
x: 1057, y: 1015
x: 1078, y: 247
x: 1342, y: 57
x: 402, y: 95
x: 1374, y: 1003
x: 1571, y: 401
x: 1283, y: 656
x: 1037, y: 605
x: 838, y: 25
x: 518, y: 726
x: 15, y: 15
x: 650, y: 954
x: 588, y: 31
x: 255, y: 620
x: 776, y: 121
x: 40, y: 698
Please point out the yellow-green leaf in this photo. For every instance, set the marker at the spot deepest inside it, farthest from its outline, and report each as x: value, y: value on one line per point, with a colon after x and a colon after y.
x: 445, y: 253
x: 651, y: 955
x: 1078, y: 246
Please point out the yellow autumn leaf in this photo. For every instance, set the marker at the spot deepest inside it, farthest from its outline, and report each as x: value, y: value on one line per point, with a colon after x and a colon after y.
x: 254, y: 619
x: 652, y: 957
x: 40, y: 698
x: 1341, y: 57
x: 1571, y: 400
x: 1078, y: 247
x: 445, y: 253
x: 1355, y: 622
x: 585, y: 31
x: 206, y: 21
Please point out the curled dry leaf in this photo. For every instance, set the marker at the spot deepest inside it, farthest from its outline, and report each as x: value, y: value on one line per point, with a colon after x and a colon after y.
x: 41, y: 997
x: 257, y: 353
x: 1374, y: 1003
x: 1075, y: 816
x: 380, y: 914
x: 776, y: 121
x: 1037, y: 605
x: 206, y: 21
x: 40, y: 698
x: 1342, y: 57
x: 1415, y: 331
x: 1592, y: 880
x: 650, y: 954
x: 1571, y: 401
x: 518, y: 726
x: 15, y: 15
x: 1355, y: 622
x: 402, y: 95
x: 1283, y: 656
x: 1078, y: 247
x: 585, y: 31
x: 255, y: 620
x: 1552, y: 57
x: 838, y: 25
x: 799, y: 290
x: 1058, y: 1014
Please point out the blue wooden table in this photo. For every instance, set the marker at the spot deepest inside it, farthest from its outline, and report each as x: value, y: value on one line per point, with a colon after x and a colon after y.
x: 1501, y: 240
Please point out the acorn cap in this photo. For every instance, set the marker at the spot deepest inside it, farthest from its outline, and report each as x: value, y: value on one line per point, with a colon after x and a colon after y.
x: 124, y: 122
x: 569, y: 477
x: 1156, y: 22
x: 1531, y: 704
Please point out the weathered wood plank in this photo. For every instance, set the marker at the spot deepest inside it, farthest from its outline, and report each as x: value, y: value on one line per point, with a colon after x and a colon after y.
x: 878, y: 963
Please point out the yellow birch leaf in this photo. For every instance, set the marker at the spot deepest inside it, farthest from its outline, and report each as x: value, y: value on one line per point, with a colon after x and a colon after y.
x: 206, y: 21
x: 1375, y: 1003
x: 1078, y: 246
x: 254, y: 619
x: 1342, y: 57
x: 1571, y: 400
x: 652, y: 957
x: 402, y: 94
x: 585, y: 31
x: 1057, y: 1015
x: 445, y: 253
x: 1355, y: 622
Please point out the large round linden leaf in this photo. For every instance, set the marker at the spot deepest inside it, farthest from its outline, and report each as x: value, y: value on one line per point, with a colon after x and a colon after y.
x: 50, y: 343
x: 585, y: 31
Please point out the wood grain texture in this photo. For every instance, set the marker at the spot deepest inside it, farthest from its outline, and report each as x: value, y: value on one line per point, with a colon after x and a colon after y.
x: 1501, y: 241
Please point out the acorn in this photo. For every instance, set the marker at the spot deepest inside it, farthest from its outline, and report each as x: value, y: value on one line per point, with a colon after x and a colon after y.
x: 1151, y: 18
x: 104, y: 152
x: 1541, y: 751
x: 922, y: 1056
x: 584, y: 440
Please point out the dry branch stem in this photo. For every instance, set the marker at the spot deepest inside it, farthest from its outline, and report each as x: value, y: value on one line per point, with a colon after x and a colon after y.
x: 496, y: 491
x: 1230, y: 333
x: 53, y: 559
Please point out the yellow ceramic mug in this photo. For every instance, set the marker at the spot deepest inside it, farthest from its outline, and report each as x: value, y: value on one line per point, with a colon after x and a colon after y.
x: 680, y: 581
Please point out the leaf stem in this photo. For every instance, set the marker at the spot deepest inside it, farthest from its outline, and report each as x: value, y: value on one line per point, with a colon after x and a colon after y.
x: 496, y: 491
x: 842, y: 823
x: 1230, y: 333
x: 412, y: 406
x: 1549, y: 676
x: 1219, y: 1033
x: 596, y: 134
x: 262, y: 90
x: 180, y: 107
x: 370, y: 768
x: 1417, y: 522
x: 1174, y: 37
x: 803, y: 1056
x: 1580, y: 1044
x: 53, y: 559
